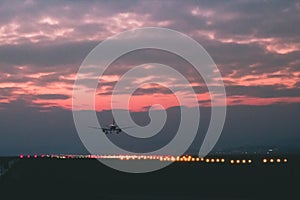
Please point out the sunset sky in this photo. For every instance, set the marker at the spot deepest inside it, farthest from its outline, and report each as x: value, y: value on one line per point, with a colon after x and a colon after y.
x: 254, y: 43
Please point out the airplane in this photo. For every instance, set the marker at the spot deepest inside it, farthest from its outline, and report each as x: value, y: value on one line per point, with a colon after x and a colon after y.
x: 113, y: 128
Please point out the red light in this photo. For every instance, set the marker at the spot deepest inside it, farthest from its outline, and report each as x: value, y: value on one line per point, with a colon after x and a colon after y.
x: 28, y: 156
x: 21, y: 156
x: 35, y: 156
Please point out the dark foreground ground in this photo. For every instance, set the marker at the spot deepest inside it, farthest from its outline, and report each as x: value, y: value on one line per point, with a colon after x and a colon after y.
x: 46, y: 178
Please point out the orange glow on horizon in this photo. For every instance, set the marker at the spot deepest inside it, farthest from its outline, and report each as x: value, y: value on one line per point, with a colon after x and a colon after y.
x: 32, y: 89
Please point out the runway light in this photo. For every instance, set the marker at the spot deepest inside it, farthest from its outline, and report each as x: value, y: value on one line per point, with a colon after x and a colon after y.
x: 271, y: 160
x: 202, y: 159
x: 285, y: 160
x: 222, y: 160
x: 265, y: 160
x: 243, y: 161
x: 278, y: 160
x: 238, y: 161
x: 212, y: 160
x: 232, y: 161
x: 249, y: 161
x: 217, y: 160
x: 197, y: 159
x: 207, y: 160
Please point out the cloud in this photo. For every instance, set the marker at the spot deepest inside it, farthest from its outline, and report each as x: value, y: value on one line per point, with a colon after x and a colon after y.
x: 52, y: 96
x: 266, y: 91
x: 43, y: 56
x: 152, y: 90
x: 297, y: 85
x: 254, y: 43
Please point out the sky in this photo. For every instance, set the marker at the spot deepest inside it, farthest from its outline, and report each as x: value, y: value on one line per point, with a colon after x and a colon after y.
x: 255, y: 45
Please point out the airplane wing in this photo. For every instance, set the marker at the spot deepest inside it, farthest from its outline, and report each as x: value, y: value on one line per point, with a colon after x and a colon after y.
x: 126, y: 127
x: 94, y: 127
x: 104, y: 129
